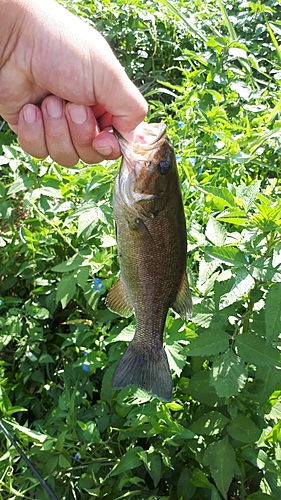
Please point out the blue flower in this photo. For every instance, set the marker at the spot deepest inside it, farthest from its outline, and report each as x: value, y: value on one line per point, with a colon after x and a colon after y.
x: 76, y: 456
x: 247, y: 258
x: 87, y: 186
x: 178, y: 157
x: 85, y: 367
x: 200, y: 170
x: 180, y: 124
x: 192, y: 160
x: 98, y: 285
x: 85, y: 353
x: 1, y: 302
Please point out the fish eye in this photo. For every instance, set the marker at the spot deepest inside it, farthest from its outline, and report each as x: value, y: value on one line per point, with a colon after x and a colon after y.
x: 163, y: 167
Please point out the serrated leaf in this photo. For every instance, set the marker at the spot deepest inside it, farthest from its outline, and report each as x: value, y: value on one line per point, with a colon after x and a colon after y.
x: 248, y: 193
x: 228, y: 374
x: 21, y: 184
x: 262, y: 270
x: 253, y: 349
x: 89, y: 217
x: 228, y: 255
x: 215, y: 232
x: 242, y: 285
x: 209, y: 424
x: 206, y: 272
x: 176, y: 356
x: 265, y: 383
x: 66, y: 290
x: 199, y: 388
x: 209, y: 344
x: 273, y: 312
x: 220, y: 456
x: 244, y: 429
x: 203, y: 313
x: 221, y: 193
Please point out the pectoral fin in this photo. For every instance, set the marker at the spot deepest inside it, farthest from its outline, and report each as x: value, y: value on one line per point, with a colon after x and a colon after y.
x: 183, y: 302
x: 118, y: 300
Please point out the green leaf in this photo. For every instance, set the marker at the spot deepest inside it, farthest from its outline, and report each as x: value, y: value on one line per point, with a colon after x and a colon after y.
x: 82, y: 276
x: 220, y: 192
x: 66, y: 290
x: 21, y: 184
x: 228, y: 255
x: 244, y: 429
x: 209, y: 344
x: 46, y: 358
x: 215, y: 232
x: 262, y: 270
x: 242, y: 285
x: 34, y: 435
x: 248, y: 193
x: 63, y: 462
x: 258, y: 495
x: 200, y: 389
x: 220, y: 456
x: 69, y: 265
x: 228, y: 374
x: 176, y: 355
x: 185, y: 488
x: 199, y: 479
x: 153, y: 464
x: 209, y: 424
x: 273, y: 312
x: 130, y: 460
x: 265, y: 383
x: 253, y: 349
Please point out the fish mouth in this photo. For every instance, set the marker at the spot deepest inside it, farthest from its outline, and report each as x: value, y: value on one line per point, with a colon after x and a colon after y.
x: 147, y: 137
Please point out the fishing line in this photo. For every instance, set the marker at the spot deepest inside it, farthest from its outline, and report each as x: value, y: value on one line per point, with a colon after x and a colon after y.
x: 27, y: 461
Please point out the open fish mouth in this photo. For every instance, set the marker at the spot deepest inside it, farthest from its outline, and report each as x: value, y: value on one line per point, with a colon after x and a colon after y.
x: 147, y: 138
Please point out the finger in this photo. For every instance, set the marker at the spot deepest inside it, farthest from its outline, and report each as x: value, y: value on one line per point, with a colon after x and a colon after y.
x: 30, y: 130
x: 57, y: 134
x: 127, y: 107
x: 83, y: 129
x: 106, y: 144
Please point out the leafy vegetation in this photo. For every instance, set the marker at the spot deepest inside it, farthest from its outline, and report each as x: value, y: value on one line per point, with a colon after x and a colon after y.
x: 212, y: 72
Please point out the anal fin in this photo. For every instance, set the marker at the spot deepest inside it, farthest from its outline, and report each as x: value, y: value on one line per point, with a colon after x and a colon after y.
x: 183, y: 303
x: 118, y: 301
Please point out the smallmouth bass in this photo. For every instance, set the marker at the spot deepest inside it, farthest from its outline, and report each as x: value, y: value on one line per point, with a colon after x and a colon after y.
x: 151, y: 245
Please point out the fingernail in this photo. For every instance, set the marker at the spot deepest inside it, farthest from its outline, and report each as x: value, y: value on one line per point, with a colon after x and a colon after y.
x: 106, y: 151
x: 78, y: 113
x: 29, y: 114
x: 54, y: 108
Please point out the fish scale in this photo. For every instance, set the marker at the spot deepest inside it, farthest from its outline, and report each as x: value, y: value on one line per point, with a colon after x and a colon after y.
x: 151, y: 244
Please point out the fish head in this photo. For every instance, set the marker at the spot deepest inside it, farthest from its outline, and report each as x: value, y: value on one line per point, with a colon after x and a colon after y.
x: 148, y: 170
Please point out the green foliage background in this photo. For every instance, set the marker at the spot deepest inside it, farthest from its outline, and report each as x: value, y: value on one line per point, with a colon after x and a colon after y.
x: 212, y: 71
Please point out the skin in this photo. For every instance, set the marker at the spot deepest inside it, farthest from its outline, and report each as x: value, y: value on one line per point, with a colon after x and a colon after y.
x: 61, y: 87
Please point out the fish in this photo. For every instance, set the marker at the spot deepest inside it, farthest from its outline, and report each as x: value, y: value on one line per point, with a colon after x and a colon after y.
x: 152, y: 251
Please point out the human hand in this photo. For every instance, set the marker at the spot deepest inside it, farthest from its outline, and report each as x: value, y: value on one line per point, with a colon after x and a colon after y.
x: 61, y: 87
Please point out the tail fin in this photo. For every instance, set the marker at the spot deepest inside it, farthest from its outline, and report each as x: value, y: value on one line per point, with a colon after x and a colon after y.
x: 147, y: 369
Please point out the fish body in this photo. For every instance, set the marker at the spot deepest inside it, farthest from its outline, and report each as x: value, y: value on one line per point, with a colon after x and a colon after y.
x: 151, y: 244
